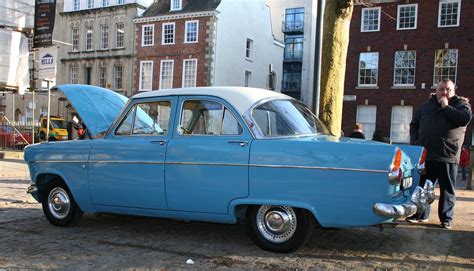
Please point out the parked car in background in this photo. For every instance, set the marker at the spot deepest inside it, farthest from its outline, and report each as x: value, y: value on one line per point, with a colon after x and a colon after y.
x: 222, y: 154
x: 57, y: 128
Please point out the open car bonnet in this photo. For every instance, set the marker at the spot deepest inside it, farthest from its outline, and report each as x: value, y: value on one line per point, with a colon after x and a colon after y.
x: 97, y: 107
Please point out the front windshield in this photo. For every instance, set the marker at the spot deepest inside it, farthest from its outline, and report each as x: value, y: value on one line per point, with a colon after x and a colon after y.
x: 59, y: 124
x: 287, y: 118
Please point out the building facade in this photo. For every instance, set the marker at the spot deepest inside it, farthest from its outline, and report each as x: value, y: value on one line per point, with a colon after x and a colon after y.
x: 398, y: 52
x: 101, y: 39
x: 188, y: 43
x: 294, y: 23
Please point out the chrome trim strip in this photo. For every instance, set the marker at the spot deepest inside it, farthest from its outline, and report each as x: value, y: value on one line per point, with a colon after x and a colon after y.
x: 220, y: 164
x: 323, y: 168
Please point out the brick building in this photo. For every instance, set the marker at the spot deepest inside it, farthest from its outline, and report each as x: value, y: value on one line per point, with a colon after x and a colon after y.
x: 398, y: 51
x: 187, y: 43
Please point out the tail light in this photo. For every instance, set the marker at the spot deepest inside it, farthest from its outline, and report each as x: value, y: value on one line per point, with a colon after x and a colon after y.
x: 395, y: 174
x: 421, y: 162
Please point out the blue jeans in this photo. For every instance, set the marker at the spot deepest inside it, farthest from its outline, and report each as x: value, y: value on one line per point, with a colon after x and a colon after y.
x: 464, y: 172
x: 445, y: 174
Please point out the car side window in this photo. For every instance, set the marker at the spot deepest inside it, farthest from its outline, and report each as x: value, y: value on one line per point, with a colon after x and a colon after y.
x: 151, y: 118
x: 201, y: 117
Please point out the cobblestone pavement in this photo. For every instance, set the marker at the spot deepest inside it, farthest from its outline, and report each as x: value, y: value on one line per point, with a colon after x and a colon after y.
x: 28, y: 241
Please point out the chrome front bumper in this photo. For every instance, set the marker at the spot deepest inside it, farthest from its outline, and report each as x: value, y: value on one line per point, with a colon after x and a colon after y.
x: 419, y: 201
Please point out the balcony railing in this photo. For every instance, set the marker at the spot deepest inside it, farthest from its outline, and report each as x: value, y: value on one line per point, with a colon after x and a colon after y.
x: 293, y: 58
x: 292, y: 27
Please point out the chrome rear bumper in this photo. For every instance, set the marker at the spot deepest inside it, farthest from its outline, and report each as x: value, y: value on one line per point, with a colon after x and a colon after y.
x: 419, y: 201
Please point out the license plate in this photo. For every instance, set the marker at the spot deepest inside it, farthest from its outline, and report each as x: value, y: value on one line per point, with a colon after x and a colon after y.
x: 407, y: 182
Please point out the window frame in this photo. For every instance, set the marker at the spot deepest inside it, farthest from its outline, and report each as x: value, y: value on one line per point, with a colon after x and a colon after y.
x: 208, y: 99
x: 76, y: 5
x: 75, y: 39
x: 161, y: 72
x: 435, y: 82
x: 90, y: 4
x: 104, y: 36
x: 186, y: 31
x: 399, y: 7
x: 364, y: 123
x: 152, y: 27
x: 140, y: 83
x: 395, y: 68
x: 358, y: 73
x: 115, y: 77
x: 103, y: 79
x: 247, y: 78
x: 195, y: 60
x: 458, y: 19
x: 178, y: 7
x: 248, y: 49
x: 89, y: 38
x: 119, y: 36
x: 391, y: 123
x: 163, y: 34
x: 362, y: 24
x: 73, y: 70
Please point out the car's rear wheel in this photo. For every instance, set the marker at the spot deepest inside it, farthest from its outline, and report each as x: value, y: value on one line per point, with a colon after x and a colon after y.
x: 59, y: 206
x: 279, y: 228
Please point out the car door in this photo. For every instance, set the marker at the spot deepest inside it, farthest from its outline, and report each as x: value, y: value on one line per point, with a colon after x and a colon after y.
x: 127, y: 167
x: 207, y: 158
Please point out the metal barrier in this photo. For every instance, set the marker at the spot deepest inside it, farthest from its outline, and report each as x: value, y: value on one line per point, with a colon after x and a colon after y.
x: 16, y: 137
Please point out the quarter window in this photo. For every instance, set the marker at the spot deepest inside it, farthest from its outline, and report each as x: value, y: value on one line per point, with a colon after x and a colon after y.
x: 168, y: 33
x: 404, y: 70
x: 200, y: 117
x: 370, y: 19
x: 449, y: 13
x: 407, y: 15
x: 368, y: 69
x: 166, y: 74
x: 191, y: 33
x: 148, y: 34
x: 446, y: 62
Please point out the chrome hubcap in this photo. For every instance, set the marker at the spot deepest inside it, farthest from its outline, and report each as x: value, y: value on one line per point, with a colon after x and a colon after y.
x: 276, y: 223
x: 59, y: 203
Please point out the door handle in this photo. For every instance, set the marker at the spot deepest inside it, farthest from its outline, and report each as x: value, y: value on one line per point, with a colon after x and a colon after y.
x: 241, y: 143
x: 161, y: 142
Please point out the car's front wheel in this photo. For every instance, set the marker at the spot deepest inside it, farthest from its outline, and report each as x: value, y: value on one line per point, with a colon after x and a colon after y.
x: 59, y: 206
x: 279, y: 228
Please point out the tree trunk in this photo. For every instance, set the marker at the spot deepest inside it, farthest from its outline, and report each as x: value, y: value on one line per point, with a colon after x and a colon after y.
x: 337, y: 18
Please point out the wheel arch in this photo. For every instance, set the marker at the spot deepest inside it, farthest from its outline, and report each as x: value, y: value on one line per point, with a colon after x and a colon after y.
x: 43, y: 179
x: 238, y: 208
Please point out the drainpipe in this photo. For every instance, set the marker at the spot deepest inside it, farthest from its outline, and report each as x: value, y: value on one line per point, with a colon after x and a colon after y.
x: 318, y: 56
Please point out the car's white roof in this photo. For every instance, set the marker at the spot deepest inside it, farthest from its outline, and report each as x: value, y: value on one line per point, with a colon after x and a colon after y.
x: 241, y: 98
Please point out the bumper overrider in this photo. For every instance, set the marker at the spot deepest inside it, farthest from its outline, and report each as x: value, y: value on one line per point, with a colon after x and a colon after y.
x: 417, y: 204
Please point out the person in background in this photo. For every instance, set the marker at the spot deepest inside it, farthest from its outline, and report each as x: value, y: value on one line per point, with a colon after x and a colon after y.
x: 439, y: 125
x: 379, y: 137
x: 358, y: 132
x: 464, y: 162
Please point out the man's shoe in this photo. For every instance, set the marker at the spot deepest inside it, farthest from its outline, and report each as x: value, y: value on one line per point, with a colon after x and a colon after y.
x: 413, y: 220
x: 423, y: 220
x: 445, y: 225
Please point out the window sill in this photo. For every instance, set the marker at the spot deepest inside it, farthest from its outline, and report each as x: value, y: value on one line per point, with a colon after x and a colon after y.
x: 367, y: 87
x: 402, y: 87
x: 73, y: 52
x: 88, y: 51
x: 103, y: 50
x: 248, y: 59
x: 118, y: 48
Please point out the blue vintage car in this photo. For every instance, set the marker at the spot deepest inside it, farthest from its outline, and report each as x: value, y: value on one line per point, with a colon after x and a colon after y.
x: 222, y: 154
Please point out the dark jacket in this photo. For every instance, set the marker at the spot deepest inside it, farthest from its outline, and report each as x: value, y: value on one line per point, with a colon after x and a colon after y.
x: 441, y: 130
x: 356, y: 134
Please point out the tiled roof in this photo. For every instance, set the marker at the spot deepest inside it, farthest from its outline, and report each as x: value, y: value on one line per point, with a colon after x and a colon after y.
x: 162, y: 7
